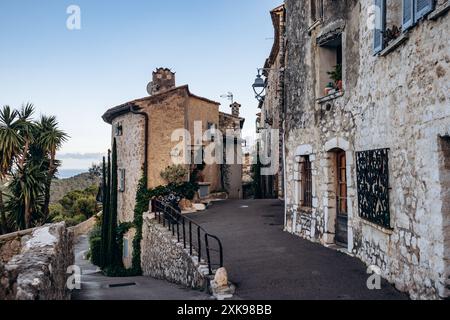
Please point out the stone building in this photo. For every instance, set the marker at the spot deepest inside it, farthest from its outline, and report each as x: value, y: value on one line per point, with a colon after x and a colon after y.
x: 145, y: 128
x: 271, y: 105
x: 367, y: 147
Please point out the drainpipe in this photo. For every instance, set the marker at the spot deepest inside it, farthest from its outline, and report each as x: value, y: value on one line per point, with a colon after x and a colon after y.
x: 134, y: 110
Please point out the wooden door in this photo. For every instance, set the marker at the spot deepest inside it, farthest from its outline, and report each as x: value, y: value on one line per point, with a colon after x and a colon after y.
x: 341, y: 197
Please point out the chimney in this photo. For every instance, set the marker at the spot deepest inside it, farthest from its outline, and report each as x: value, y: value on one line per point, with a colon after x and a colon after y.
x: 163, y: 80
x: 235, y: 109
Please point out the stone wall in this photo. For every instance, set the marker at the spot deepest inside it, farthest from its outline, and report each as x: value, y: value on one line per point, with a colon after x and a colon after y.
x: 399, y: 101
x: 163, y: 258
x: 34, y: 263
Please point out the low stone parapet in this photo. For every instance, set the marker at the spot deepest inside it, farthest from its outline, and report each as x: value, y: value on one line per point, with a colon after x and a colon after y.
x: 162, y: 257
x: 34, y: 263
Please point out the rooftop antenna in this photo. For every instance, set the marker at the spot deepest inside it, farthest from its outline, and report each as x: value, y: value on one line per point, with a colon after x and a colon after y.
x: 228, y: 96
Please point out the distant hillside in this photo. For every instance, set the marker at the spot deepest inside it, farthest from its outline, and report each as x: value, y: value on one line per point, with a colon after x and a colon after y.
x: 61, y: 187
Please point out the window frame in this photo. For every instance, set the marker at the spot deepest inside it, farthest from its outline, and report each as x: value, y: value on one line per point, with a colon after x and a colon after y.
x: 306, y: 183
x: 122, y: 177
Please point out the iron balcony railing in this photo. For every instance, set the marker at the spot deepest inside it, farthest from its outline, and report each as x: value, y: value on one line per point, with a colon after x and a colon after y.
x: 191, y: 234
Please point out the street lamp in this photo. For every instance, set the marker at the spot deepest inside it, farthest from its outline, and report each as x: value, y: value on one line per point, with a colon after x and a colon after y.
x: 259, y: 87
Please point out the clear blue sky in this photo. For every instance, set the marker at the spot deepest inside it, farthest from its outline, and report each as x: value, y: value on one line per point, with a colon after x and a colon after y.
x: 214, y: 46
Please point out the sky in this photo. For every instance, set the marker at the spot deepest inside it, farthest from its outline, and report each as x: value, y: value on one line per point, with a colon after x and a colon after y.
x: 215, y: 46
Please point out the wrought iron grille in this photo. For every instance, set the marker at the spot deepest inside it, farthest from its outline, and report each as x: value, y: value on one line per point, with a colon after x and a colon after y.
x: 373, y: 186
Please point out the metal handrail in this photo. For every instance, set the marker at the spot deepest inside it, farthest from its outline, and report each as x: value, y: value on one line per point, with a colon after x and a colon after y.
x: 184, y: 229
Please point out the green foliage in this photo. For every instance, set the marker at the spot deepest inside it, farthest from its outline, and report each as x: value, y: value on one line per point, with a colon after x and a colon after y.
x: 114, y: 257
x: 75, y: 207
x: 86, y: 206
x: 256, y: 175
x: 95, y: 244
x: 175, y: 174
x: 186, y: 190
x: 336, y: 73
x: 105, y: 213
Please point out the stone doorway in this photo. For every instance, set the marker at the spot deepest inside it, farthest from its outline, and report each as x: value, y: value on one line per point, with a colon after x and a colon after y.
x: 341, y: 236
x: 445, y: 195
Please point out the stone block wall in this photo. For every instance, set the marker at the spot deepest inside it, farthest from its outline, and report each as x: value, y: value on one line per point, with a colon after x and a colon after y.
x: 34, y: 263
x: 163, y: 258
x: 398, y: 101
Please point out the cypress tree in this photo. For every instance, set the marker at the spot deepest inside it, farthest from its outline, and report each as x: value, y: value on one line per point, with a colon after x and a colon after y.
x: 116, y: 256
x: 105, y: 214
x: 108, y: 212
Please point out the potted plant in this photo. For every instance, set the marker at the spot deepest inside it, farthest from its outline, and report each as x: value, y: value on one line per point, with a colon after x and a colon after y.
x: 329, y: 88
x: 336, y: 76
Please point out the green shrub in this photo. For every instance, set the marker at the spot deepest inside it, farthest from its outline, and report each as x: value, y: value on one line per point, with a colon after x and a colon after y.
x: 175, y: 174
x: 85, y: 206
x: 96, y: 250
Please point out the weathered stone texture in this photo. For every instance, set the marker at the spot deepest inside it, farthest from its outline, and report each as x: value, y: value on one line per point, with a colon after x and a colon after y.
x: 163, y: 258
x: 400, y: 101
x: 38, y: 269
x: 130, y: 156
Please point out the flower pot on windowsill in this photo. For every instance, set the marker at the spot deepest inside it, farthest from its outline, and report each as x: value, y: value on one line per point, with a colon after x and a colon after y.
x: 339, y: 85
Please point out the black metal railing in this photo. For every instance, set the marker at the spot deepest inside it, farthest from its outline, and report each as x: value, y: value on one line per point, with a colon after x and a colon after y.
x: 205, y: 246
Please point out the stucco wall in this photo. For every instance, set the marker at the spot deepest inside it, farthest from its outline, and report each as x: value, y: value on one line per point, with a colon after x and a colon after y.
x: 36, y: 266
x: 399, y: 102
x: 165, y: 116
x: 163, y: 258
x: 130, y: 156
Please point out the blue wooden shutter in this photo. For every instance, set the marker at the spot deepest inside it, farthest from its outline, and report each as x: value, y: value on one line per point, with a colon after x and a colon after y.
x: 408, y: 14
x: 380, y: 25
x: 422, y: 8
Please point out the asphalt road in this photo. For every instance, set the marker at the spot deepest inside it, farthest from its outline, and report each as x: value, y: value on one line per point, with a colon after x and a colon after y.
x: 266, y: 263
x: 95, y: 286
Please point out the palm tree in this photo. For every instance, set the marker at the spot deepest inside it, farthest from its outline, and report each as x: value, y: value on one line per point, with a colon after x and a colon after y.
x: 10, y: 144
x: 50, y: 140
x: 27, y: 188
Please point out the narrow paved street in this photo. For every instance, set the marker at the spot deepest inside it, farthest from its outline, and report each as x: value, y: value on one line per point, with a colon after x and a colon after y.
x: 266, y: 263
x: 96, y: 286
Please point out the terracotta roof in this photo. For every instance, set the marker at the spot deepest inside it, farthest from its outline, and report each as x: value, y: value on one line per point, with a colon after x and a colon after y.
x: 113, y: 113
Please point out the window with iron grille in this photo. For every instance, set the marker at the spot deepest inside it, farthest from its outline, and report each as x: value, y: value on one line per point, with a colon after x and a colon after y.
x: 373, y: 186
x: 119, y: 129
x: 306, y: 182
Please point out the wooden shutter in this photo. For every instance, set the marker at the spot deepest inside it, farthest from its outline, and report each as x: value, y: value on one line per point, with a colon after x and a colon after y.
x: 422, y: 8
x: 408, y: 14
x: 380, y: 24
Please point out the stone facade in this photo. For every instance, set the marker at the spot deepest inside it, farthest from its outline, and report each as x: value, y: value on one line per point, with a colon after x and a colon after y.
x: 272, y: 108
x: 34, y: 263
x: 165, y: 112
x: 397, y: 99
x: 163, y: 258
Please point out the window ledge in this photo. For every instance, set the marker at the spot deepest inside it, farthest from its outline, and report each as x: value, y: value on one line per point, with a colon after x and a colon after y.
x: 388, y: 231
x: 330, y: 97
x: 394, y: 44
x: 439, y: 11
x: 314, y: 25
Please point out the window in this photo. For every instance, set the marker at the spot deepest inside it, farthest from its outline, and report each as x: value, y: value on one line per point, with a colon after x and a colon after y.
x: 118, y: 130
x: 316, y: 10
x: 394, y: 16
x: 125, y: 248
x: 306, y: 182
x: 330, y: 64
x: 122, y: 180
x: 373, y: 186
